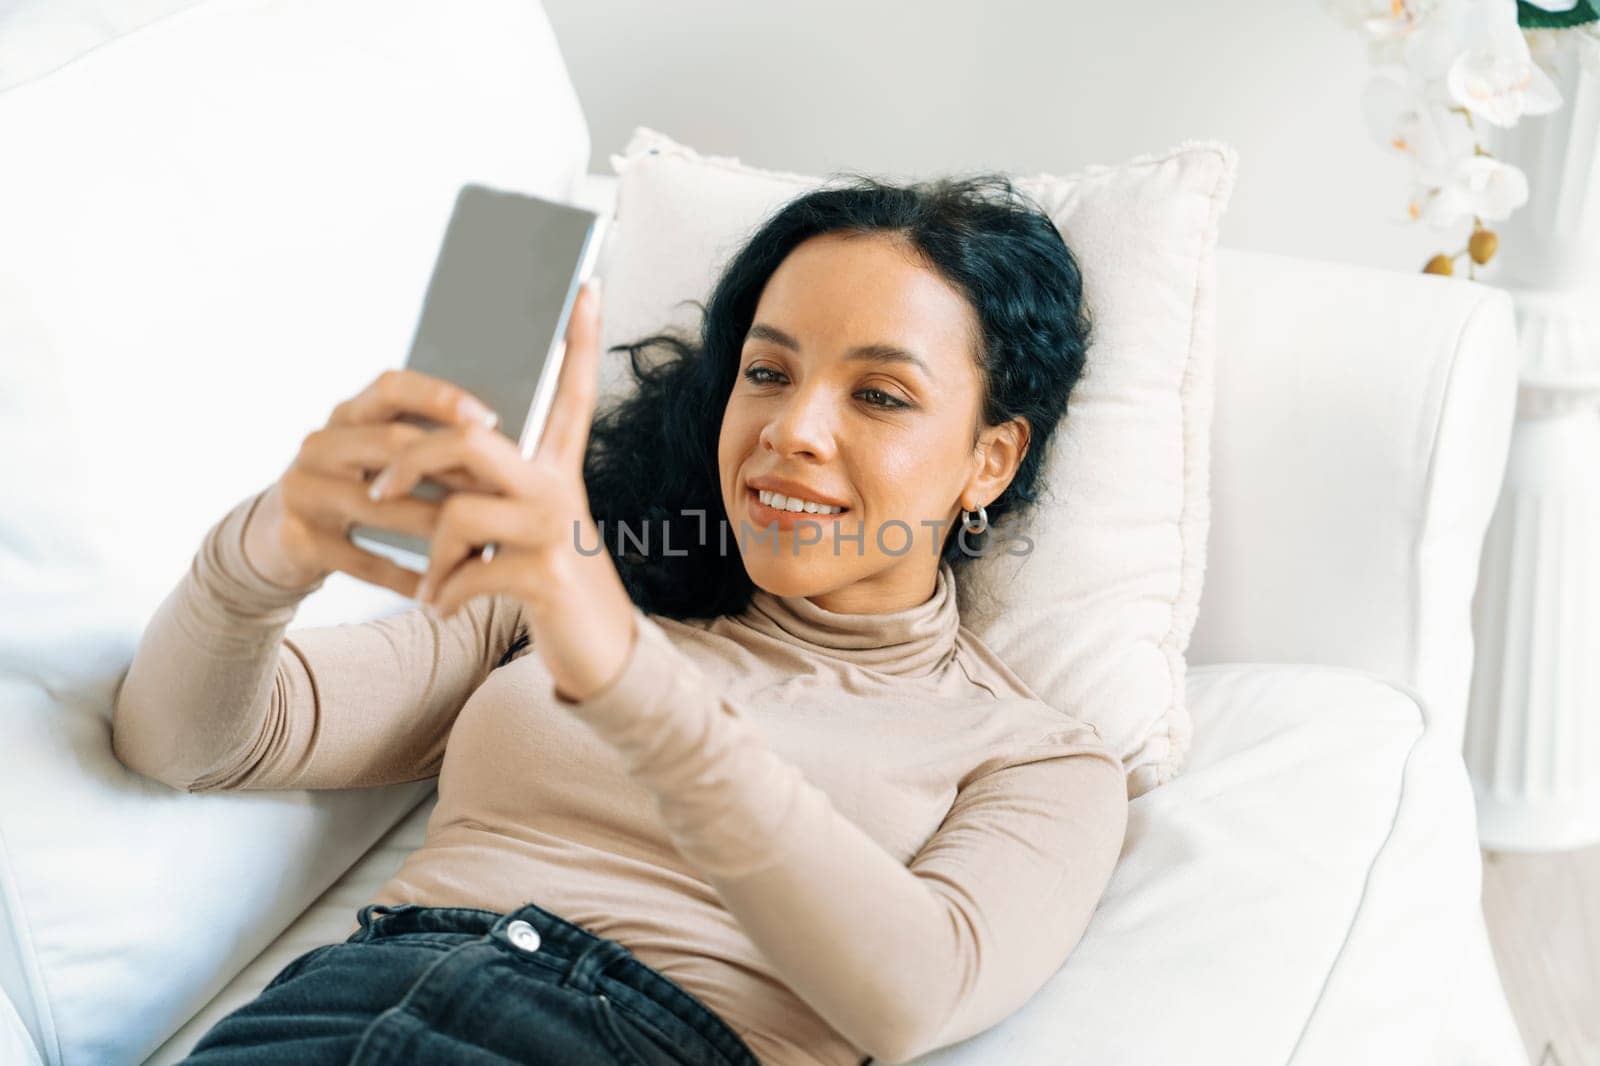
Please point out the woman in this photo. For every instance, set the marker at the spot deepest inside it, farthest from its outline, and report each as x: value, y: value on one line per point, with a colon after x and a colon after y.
x: 738, y: 788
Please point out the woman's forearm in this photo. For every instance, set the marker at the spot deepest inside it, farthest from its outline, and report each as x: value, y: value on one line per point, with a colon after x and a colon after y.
x: 201, y: 680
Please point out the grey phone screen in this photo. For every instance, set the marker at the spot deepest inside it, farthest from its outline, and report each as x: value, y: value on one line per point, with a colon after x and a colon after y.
x: 494, y: 319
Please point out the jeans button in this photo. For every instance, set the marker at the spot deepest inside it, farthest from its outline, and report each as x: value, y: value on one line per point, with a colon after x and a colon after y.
x: 523, y: 936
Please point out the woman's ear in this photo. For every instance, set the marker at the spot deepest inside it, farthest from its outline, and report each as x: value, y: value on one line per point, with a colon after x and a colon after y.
x: 1001, y: 451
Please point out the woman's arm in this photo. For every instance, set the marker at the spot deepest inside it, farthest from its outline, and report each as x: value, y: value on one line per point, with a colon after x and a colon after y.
x: 218, y: 697
x: 900, y: 959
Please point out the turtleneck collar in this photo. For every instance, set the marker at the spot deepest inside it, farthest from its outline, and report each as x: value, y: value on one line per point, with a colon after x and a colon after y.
x: 910, y: 642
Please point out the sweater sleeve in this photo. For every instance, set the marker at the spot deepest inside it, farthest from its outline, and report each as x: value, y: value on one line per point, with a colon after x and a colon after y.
x: 218, y: 696
x: 899, y: 958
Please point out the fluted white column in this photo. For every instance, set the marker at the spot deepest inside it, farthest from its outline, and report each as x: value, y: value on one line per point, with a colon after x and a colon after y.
x: 1532, y: 744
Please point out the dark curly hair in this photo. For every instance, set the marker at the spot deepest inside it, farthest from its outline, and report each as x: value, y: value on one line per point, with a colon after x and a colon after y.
x: 653, y: 455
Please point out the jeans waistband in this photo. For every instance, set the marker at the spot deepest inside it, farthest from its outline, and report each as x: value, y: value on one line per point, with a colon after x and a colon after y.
x: 587, y: 956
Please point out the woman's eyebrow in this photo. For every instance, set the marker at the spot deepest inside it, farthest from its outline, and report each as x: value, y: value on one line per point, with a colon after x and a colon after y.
x: 882, y: 353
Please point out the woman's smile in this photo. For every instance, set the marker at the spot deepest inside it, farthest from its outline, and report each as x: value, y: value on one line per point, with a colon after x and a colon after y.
x: 763, y: 514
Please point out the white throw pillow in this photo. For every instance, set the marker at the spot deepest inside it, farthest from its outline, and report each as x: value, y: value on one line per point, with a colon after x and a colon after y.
x: 1097, y: 616
x: 212, y: 230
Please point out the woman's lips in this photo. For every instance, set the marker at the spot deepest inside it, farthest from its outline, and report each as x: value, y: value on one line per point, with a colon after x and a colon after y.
x: 763, y: 515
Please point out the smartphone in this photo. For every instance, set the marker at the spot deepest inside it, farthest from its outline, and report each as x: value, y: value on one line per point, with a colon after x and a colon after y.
x: 494, y: 321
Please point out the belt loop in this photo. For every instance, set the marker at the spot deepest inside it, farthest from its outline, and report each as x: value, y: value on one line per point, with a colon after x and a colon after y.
x: 369, y: 914
x: 592, y: 963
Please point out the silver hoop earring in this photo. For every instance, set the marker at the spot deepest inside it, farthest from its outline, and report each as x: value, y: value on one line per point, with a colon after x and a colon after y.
x: 983, y: 520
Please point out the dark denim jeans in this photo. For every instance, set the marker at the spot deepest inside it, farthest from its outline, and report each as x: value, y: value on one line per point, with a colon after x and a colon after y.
x: 447, y: 985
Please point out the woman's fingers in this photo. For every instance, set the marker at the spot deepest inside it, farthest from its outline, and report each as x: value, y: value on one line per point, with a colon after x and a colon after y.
x: 469, y: 521
x: 361, y: 450
x: 365, y: 565
x: 566, y: 433
x: 491, y: 458
x: 460, y: 479
x: 349, y: 450
x: 406, y: 427
x: 410, y: 392
x: 325, y: 492
x: 358, y: 453
x: 478, y: 579
x: 333, y: 504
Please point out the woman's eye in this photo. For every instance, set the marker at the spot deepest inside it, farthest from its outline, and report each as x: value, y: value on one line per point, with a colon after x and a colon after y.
x: 885, y: 399
x: 876, y: 397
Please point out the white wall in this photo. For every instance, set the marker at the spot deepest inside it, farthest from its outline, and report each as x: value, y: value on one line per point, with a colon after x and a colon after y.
x: 907, y: 89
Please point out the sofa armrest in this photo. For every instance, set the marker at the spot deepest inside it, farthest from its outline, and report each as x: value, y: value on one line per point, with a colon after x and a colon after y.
x: 1361, y: 430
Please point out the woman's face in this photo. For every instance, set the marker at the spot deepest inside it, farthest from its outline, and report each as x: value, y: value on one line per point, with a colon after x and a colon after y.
x: 857, y: 383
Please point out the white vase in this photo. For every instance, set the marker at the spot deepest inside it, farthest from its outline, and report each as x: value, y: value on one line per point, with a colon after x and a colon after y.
x: 1532, y: 744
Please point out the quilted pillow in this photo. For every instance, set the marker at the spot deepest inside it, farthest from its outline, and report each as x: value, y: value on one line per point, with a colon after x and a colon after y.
x: 1097, y: 616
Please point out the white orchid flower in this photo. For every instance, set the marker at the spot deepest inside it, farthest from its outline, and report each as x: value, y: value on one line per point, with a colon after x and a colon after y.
x: 1498, y: 78
x: 1440, y: 64
x: 1434, y: 44
x: 1481, y: 186
x: 1480, y: 53
x: 1543, y: 46
x: 1405, y: 119
x: 1379, y: 18
x: 1384, y: 24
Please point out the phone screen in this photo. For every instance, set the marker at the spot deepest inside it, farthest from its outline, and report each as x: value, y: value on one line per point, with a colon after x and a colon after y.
x: 494, y: 320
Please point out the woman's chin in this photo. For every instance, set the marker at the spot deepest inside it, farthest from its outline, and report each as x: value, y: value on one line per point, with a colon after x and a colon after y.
x: 810, y: 573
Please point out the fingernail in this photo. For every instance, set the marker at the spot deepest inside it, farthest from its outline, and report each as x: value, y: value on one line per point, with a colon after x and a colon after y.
x: 478, y: 411
x: 594, y: 283
x: 379, y: 486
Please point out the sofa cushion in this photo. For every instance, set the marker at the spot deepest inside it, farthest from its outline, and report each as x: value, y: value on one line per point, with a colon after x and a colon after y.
x: 216, y: 228
x: 1096, y: 617
x: 1296, y: 829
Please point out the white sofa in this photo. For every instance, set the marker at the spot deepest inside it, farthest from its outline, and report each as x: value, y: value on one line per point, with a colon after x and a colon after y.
x: 1306, y: 892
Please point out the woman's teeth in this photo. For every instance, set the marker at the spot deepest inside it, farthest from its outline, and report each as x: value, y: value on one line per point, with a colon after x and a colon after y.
x: 780, y: 502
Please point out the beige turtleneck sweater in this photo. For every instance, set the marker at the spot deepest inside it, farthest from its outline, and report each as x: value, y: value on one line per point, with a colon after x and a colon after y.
x: 847, y: 834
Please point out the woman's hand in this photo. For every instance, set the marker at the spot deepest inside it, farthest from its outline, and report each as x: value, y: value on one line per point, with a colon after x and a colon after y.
x: 536, y: 511
x: 299, y: 532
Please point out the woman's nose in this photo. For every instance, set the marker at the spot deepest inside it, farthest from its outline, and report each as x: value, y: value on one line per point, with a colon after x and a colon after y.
x: 803, y: 425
